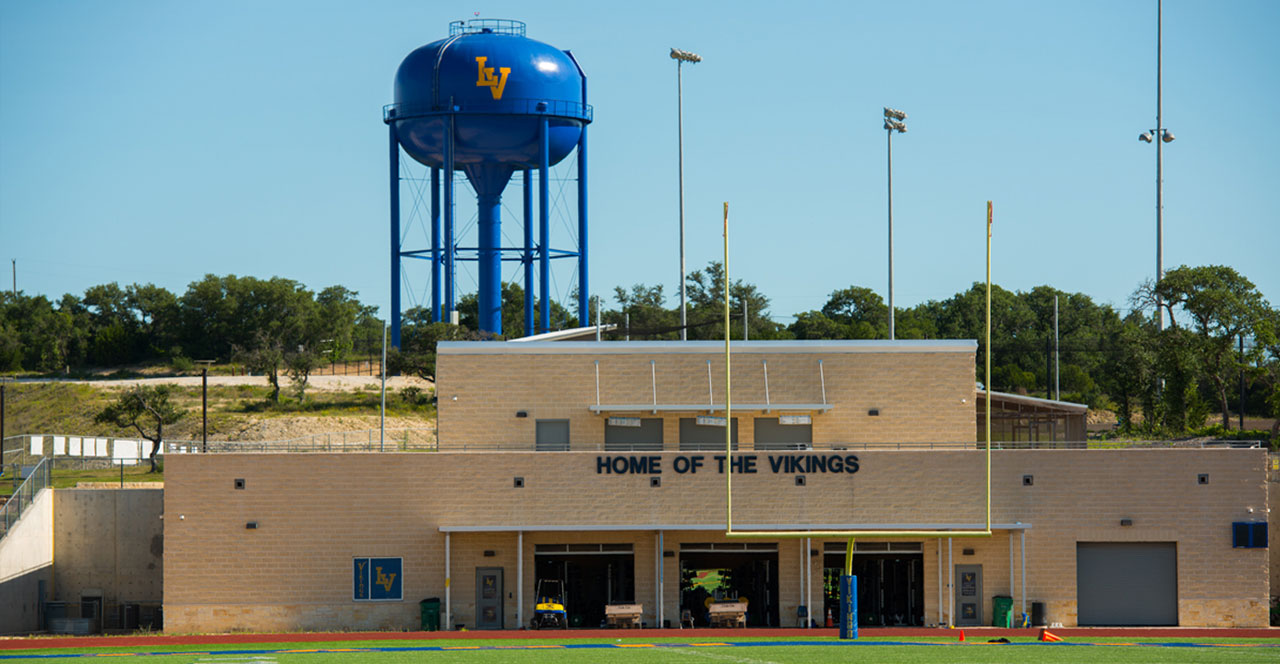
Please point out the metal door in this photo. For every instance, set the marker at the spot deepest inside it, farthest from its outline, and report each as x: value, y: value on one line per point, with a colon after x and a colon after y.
x: 552, y: 435
x: 488, y: 598
x: 968, y: 595
x: 1127, y: 583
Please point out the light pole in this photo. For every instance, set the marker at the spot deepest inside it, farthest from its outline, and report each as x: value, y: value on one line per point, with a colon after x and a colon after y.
x: 682, y: 57
x: 894, y: 120
x: 1165, y: 136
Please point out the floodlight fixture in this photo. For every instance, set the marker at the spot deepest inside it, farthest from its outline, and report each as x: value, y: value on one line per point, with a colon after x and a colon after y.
x: 892, y: 125
x: 894, y: 114
x: 1166, y: 136
x: 1145, y: 137
x: 685, y: 56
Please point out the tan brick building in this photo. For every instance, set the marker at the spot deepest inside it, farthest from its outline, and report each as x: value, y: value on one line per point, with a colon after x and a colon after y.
x: 602, y: 465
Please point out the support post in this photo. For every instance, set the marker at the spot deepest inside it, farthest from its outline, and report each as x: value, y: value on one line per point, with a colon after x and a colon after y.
x: 890, y: 167
x: 489, y: 266
x: 435, y: 250
x: 527, y: 257
x: 544, y: 228
x: 1022, y: 549
x: 583, y: 284
x: 394, y: 173
x: 449, y: 272
x: 204, y: 412
x: 519, y: 578
x: 662, y: 564
x: 448, y: 605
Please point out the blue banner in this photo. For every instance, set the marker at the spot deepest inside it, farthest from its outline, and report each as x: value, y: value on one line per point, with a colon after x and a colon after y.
x: 375, y: 579
x: 387, y: 578
x: 360, y: 582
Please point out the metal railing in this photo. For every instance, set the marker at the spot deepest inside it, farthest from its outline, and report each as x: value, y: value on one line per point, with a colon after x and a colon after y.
x: 424, y: 440
x: 368, y: 440
x: 559, y: 108
x: 37, y: 478
x: 598, y: 446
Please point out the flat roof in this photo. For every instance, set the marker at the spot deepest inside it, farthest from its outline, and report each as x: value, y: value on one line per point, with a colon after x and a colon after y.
x: 1034, y: 401
x: 706, y: 347
x: 574, y: 333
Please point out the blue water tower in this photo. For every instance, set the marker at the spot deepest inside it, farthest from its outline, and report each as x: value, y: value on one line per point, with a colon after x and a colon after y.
x: 488, y: 101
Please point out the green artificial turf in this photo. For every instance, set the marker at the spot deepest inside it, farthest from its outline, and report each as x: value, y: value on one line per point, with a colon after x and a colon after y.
x: 646, y: 651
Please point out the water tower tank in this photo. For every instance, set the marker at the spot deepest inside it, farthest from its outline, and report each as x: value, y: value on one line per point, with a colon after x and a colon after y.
x: 488, y: 101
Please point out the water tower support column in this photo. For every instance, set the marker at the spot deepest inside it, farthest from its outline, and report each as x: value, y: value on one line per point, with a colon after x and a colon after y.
x: 394, y: 154
x: 584, y: 293
x: 488, y: 211
x: 435, y: 245
x: 450, y: 306
x: 544, y: 228
x: 526, y: 258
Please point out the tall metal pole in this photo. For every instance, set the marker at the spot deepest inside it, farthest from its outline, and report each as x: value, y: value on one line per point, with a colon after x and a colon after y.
x: 1159, y: 165
x: 382, y: 413
x: 1242, y: 382
x: 894, y: 120
x: 684, y: 333
x: 394, y: 162
x: 889, y: 133
x: 1057, y: 386
x: 204, y: 409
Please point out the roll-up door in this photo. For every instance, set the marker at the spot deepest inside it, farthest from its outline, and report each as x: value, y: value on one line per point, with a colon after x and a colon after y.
x: 1127, y: 583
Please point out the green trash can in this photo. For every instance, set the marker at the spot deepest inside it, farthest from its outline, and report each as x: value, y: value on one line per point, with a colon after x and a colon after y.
x: 430, y: 614
x: 1002, y: 611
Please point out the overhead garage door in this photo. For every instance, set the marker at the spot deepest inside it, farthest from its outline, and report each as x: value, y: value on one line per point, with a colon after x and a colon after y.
x: 1127, y: 583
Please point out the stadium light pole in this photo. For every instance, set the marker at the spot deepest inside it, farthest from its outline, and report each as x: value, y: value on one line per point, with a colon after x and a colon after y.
x: 894, y: 120
x: 1164, y: 136
x: 682, y: 57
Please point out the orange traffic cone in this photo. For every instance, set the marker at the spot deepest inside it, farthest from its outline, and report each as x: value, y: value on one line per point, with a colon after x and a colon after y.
x: 1046, y: 635
x: 830, y: 621
x: 962, y: 636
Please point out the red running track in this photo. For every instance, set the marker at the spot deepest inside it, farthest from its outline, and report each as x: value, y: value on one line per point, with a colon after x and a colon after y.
x: 700, y: 634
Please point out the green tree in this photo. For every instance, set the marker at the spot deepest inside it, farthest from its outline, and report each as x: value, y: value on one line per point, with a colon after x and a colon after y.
x: 418, y: 338
x: 642, y: 313
x: 158, y: 319
x: 145, y: 409
x: 705, y: 291
x: 861, y: 310
x: 1218, y: 306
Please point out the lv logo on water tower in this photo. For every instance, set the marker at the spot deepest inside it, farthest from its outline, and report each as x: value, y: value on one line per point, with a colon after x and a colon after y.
x: 496, y: 84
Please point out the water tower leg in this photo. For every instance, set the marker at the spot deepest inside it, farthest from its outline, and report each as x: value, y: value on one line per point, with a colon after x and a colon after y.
x: 394, y: 154
x: 544, y: 230
x: 584, y: 291
x: 527, y: 257
x: 435, y: 245
x: 489, y: 265
x: 449, y: 304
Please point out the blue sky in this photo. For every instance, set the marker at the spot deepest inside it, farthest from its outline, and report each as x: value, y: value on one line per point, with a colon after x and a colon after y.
x: 160, y: 141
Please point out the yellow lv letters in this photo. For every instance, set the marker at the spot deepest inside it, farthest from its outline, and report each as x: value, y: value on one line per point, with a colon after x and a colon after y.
x: 384, y: 580
x: 485, y: 78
